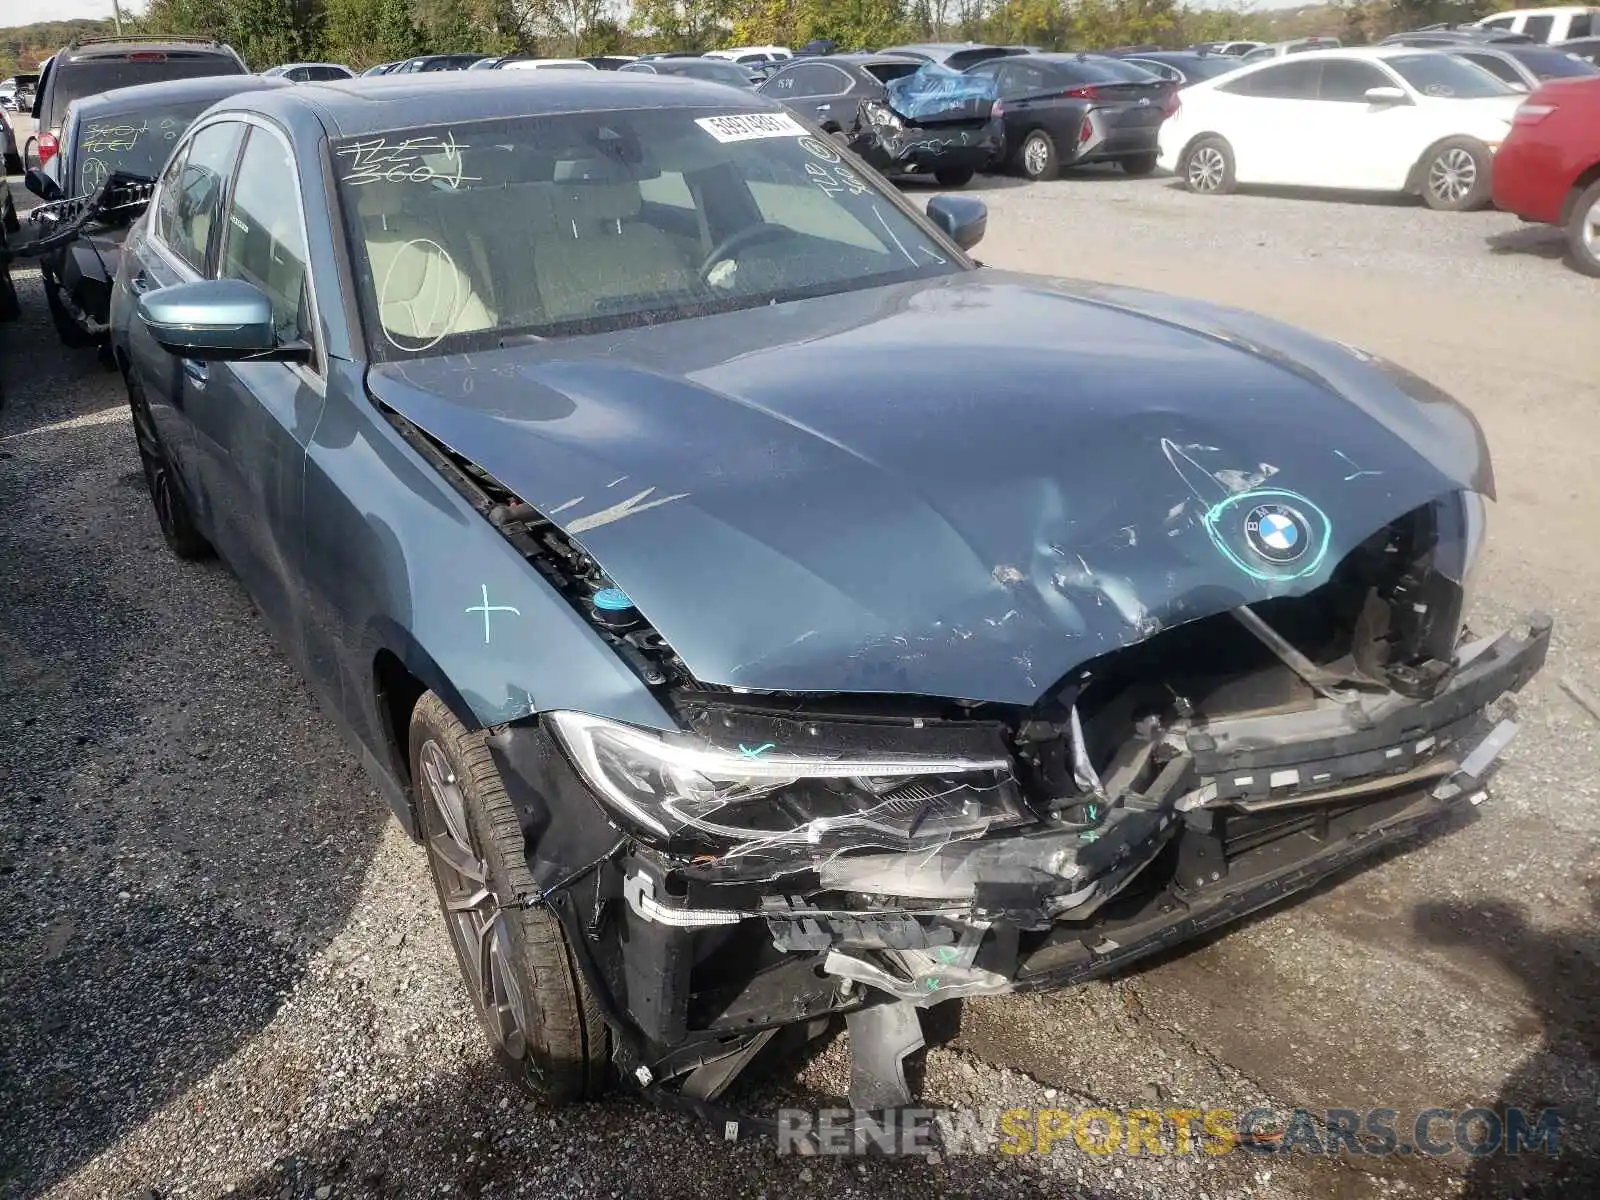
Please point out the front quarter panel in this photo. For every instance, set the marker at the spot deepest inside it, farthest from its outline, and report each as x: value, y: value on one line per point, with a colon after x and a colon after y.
x: 398, y: 561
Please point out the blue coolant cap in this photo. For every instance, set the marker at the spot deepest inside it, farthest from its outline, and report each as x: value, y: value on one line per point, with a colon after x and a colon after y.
x: 612, y: 600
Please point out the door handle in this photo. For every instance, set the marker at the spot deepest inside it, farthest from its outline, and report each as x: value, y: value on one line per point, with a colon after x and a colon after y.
x: 196, y: 371
x: 824, y: 107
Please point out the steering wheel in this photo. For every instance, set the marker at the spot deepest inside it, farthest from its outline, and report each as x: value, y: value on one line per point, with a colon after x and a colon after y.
x: 763, y: 231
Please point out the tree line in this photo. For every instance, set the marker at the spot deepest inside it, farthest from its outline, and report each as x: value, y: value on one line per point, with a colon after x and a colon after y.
x: 363, y: 32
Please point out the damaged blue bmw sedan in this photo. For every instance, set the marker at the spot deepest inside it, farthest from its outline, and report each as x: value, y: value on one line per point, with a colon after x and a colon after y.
x: 634, y: 476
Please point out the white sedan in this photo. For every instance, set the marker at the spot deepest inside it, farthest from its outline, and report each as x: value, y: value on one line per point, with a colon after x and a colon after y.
x: 1381, y: 118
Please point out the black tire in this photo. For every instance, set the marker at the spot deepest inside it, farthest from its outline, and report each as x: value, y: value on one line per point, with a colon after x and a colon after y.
x: 10, y: 307
x: 1207, y: 166
x: 72, y: 335
x: 13, y: 163
x: 540, y: 1017
x: 178, y: 528
x: 1454, y: 175
x: 953, y: 177
x: 1138, y: 164
x: 1583, y: 231
x: 1036, y: 156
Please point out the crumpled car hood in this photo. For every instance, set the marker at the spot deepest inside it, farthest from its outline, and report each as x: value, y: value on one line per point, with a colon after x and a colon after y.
x: 960, y: 487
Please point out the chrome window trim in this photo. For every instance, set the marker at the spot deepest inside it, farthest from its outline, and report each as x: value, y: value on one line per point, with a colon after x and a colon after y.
x: 315, y: 378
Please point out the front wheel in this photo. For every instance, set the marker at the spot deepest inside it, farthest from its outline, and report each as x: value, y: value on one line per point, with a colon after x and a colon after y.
x: 1037, y: 156
x: 1139, y: 164
x: 1207, y: 167
x: 178, y: 528
x: 1455, y: 176
x: 1583, y: 231
x: 542, y: 1021
x: 953, y: 177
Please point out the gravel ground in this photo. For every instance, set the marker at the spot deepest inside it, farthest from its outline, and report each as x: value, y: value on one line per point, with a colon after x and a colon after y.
x: 225, y: 973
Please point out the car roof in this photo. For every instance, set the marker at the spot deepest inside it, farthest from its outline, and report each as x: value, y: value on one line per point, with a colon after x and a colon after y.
x: 348, y: 108
x: 85, y: 51
x: 176, y: 91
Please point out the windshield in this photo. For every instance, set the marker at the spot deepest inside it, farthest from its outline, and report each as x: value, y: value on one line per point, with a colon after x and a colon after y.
x: 1553, y: 64
x: 137, y: 142
x: 1447, y: 77
x: 466, y: 235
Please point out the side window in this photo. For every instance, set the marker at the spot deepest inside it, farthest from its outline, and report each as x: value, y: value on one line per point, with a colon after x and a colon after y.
x: 1290, y: 81
x: 201, y: 184
x: 1498, y: 67
x: 1019, y: 79
x: 1538, y: 28
x: 165, y: 220
x: 1346, y: 80
x: 264, y: 242
x: 1497, y: 23
x: 1582, y: 25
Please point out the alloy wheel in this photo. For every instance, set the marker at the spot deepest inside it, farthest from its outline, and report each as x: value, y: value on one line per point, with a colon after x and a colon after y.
x: 1206, y: 169
x: 473, y: 915
x: 1589, y: 229
x: 1453, y: 175
x: 1036, y: 156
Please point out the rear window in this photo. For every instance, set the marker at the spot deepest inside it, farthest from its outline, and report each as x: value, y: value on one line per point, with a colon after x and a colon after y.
x: 1553, y: 64
x: 71, y: 81
x: 136, y: 142
x: 1100, y: 70
x: 885, y: 72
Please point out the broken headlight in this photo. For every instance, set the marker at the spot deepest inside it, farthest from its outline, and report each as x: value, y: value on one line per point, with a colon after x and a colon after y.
x: 681, y: 790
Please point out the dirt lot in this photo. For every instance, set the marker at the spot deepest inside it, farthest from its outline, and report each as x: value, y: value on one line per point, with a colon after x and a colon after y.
x: 224, y: 971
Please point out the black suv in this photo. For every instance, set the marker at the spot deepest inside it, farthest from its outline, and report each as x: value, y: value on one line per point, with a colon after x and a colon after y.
x: 97, y: 65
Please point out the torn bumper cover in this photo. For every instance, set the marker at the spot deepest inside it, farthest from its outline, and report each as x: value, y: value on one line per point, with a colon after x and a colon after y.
x: 932, y: 120
x: 755, y: 897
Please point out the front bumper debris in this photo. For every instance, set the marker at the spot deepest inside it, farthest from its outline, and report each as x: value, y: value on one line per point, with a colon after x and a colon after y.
x: 895, y: 145
x: 692, y: 965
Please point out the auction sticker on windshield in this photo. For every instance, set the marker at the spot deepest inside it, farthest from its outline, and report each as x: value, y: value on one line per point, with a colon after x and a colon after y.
x: 742, y: 127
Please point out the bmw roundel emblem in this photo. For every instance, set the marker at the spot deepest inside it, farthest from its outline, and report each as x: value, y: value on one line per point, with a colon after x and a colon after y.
x: 1277, y: 532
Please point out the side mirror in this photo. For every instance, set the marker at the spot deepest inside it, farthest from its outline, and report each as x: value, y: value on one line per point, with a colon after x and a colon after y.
x: 1386, y: 95
x: 216, y: 320
x: 964, y: 219
x: 41, y: 185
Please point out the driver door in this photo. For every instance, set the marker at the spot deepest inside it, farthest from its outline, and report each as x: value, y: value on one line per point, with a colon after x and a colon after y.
x: 252, y: 420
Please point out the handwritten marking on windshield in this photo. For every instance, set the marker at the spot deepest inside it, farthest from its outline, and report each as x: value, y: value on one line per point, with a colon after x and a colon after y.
x: 111, y: 136
x: 413, y: 160
x: 819, y: 149
x: 910, y: 257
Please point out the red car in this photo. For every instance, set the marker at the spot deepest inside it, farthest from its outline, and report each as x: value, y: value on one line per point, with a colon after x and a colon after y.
x: 1549, y: 167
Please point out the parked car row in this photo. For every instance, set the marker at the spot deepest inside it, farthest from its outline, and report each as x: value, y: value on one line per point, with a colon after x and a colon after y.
x: 529, y: 413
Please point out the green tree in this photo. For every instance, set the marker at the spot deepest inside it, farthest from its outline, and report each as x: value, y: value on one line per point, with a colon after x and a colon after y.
x: 571, y: 23
x: 682, y: 24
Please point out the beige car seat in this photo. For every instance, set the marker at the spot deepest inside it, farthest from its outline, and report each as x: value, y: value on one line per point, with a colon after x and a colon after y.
x: 594, y: 249
x: 423, y: 293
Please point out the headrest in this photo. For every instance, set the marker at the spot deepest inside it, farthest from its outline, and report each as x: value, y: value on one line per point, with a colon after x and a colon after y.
x: 587, y: 202
x: 379, y: 199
